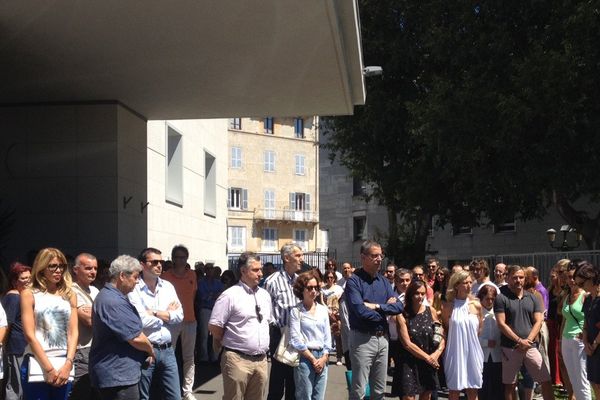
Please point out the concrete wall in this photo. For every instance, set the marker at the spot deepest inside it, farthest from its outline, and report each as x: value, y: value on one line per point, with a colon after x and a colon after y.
x: 169, y: 223
x: 65, y: 169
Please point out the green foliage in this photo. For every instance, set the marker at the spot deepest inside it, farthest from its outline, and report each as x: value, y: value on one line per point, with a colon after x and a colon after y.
x: 486, y: 110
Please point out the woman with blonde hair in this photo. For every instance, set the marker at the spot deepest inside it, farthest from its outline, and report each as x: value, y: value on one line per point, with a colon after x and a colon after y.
x: 48, y: 312
x: 462, y: 319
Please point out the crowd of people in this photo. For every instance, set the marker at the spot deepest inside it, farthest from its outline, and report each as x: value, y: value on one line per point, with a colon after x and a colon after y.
x: 71, y: 331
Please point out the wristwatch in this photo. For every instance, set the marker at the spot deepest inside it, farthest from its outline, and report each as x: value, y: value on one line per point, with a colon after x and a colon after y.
x: 154, y: 313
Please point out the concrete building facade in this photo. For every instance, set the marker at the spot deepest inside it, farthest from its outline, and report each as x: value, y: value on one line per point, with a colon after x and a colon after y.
x: 273, y: 184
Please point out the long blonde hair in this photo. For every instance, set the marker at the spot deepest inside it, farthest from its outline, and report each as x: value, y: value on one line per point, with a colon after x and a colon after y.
x: 41, y: 262
x: 455, y: 280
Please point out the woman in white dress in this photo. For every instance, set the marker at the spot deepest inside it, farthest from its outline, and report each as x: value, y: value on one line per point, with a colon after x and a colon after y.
x: 462, y: 319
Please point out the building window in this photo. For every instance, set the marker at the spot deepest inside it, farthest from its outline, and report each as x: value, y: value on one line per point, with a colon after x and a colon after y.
x: 238, y: 199
x: 359, y: 227
x: 269, y: 241
x: 299, y: 128
x: 300, y: 207
x: 269, y: 161
x: 210, y: 185
x: 462, y: 230
x: 508, y: 226
x: 236, y: 238
x: 358, y: 187
x: 300, y: 170
x: 300, y: 237
x: 269, y: 204
x: 174, y: 190
x: 236, y: 157
x: 235, y: 123
x: 269, y: 125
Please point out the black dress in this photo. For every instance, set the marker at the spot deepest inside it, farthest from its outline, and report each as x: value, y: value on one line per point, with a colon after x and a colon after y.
x: 416, y: 375
x: 591, y: 309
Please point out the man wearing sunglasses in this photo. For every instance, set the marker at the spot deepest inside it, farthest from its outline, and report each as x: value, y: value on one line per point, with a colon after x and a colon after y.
x: 239, y: 322
x: 160, y: 310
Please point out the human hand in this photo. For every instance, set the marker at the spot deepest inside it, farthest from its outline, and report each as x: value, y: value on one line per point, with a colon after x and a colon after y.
x: 391, y: 300
x: 491, y: 343
x: 589, y: 350
x: 173, y: 306
x: 432, y: 361
x: 370, y: 306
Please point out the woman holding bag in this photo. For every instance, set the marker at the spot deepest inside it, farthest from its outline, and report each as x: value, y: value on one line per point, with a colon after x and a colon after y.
x: 48, y: 312
x: 311, y: 336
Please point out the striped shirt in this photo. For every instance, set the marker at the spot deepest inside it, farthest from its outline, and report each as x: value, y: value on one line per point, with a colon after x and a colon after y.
x: 280, y: 287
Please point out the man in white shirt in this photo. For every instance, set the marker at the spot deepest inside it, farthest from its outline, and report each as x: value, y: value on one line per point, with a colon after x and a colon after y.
x: 481, y: 272
x: 160, y: 310
x: 84, y: 273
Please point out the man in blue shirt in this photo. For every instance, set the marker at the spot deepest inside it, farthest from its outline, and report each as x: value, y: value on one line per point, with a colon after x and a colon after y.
x: 370, y: 299
x: 118, y: 346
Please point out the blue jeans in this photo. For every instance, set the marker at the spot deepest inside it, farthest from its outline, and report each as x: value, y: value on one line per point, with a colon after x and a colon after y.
x: 165, y: 370
x: 309, y: 384
x: 41, y: 390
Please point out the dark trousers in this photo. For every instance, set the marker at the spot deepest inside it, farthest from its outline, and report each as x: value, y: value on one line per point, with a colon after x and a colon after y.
x: 131, y: 392
x: 492, y: 388
x: 282, y: 376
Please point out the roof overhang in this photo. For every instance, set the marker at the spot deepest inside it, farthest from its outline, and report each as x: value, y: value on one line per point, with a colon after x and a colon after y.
x: 185, y: 59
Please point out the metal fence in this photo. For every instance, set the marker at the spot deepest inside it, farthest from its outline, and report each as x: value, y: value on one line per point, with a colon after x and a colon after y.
x: 542, y: 261
x: 312, y: 259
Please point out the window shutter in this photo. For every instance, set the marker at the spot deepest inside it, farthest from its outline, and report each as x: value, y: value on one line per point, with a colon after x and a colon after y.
x: 228, y: 197
x: 244, y: 199
x: 307, y: 202
x: 292, y: 201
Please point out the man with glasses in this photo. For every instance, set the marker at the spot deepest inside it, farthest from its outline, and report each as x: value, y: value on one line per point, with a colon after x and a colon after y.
x: 419, y: 275
x: 370, y: 300
x: 500, y: 275
x: 432, y: 266
x: 280, y: 287
x: 184, y: 280
x: 390, y: 270
x: 240, y: 323
x: 160, y: 310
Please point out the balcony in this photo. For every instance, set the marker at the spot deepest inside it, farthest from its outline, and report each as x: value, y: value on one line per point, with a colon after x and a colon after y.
x: 286, y: 214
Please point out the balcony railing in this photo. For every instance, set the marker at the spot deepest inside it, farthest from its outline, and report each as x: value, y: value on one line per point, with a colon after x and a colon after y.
x: 286, y: 214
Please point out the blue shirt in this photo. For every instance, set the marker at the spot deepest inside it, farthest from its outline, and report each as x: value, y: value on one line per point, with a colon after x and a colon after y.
x: 113, y: 361
x: 16, y: 342
x: 362, y: 287
x: 208, y: 292
x: 309, y: 331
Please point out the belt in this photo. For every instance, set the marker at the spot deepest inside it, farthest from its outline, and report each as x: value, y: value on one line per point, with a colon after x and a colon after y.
x: 374, y: 333
x: 163, y: 346
x: 241, y: 353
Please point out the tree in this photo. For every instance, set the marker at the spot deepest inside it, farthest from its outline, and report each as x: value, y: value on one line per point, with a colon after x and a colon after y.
x: 485, y: 111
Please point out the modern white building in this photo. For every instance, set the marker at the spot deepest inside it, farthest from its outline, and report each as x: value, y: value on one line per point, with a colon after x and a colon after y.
x: 85, y: 152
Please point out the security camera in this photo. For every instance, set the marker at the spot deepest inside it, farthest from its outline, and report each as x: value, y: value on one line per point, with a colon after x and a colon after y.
x: 372, y: 71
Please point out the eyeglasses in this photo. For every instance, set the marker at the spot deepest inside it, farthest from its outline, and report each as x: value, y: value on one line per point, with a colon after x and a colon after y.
x: 389, y: 272
x: 154, y: 263
x: 257, y: 310
x: 54, y: 267
x: 331, y: 277
x: 315, y: 288
x: 375, y: 256
x: 439, y: 274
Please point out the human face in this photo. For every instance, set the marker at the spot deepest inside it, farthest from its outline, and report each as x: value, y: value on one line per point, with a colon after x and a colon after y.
x: 433, y: 267
x: 389, y: 273
x: 54, y: 271
x: 24, y: 280
x: 440, y: 276
x: 571, y: 279
x: 252, y: 274
x: 477, y: 271
x: 86, y: 270
x: 180, y: 258
x: 311, y: 290
x: 128, y: 281
x: 329, y: 279
x: 418, y: 273
x: 488, y: 300
x: 347, y: 270
x: 500, y: 272
x: 153, y: 264
x: 293, y: 262
x: 463, y: 288
x: 402, y: 282
x: 371, y: 260
x: 563, y: 279
x: 586, y: 284
x: 517, y: 280
x: 418, y: 296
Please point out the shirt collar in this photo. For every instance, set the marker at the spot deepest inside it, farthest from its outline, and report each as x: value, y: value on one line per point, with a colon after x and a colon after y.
x: 247, y: 288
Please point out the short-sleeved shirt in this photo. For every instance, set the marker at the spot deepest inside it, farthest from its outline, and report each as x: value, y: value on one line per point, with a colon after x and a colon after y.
x: 16, y: 340
x: 84, y: 298
x: 113, y: 361
x: 185, y: 287
x: 518, y: 313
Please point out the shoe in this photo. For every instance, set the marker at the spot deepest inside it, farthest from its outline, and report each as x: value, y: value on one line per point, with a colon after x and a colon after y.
x: 188, y: 396
x: 339, y: 362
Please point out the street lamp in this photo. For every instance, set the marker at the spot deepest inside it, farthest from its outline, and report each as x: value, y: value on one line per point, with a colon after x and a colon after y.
x: 564, y: 246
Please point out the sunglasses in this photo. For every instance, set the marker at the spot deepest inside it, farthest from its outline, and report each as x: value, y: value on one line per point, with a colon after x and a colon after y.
x: 315, y: 288
x: 154, y: 263
x: 54, y: 267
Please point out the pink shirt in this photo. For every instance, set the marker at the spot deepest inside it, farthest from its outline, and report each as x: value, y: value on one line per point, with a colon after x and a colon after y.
x: 236, y: 312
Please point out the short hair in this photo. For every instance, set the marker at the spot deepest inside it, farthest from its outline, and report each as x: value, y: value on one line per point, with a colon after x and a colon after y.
x: 402, y: 271
x: 588, y: 271
x: 367, y: 245
x: 16, y: 269
x: 83, y: 255
x: 288, y: 248
x: 179, y: 247
x: 124, y: 264
x: 246, y: 258
x: 144, y: 253
x: 408, y: 296
x: 302, y: 281
x: 455, y: 279
x: 392, y: 265
x: 514, y: 268
x: 483, y: 264
x: 431, y: 259
x: 485, y: 290
x: 418, y: 266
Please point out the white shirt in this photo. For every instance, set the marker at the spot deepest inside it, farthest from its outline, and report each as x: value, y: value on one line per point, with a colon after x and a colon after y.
x: 143, y: 299
x: 489, y: 332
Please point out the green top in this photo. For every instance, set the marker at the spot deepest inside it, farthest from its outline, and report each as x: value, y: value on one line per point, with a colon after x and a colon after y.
x: 573, y: 315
